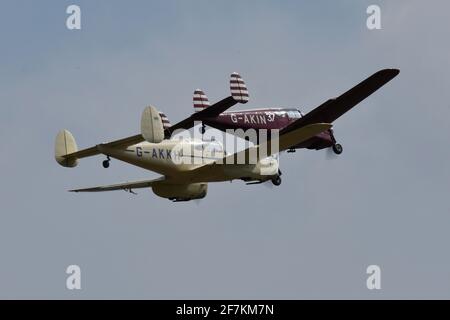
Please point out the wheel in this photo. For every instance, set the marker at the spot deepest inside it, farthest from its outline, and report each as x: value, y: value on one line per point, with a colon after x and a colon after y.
x: 337, y: 148
x: 276, y: 180
x: 106, y: 164
x: 202, y: 129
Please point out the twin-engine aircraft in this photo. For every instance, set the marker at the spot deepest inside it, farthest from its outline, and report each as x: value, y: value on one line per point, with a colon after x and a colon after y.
x: 187, y: 165
x: 281, y: 118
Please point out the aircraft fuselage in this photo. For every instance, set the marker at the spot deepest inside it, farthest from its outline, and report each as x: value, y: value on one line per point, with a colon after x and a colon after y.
x: 268, y: 118
x: 177, y: 159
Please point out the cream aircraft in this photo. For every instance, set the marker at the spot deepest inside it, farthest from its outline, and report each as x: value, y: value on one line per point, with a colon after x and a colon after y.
x: 186, y: 172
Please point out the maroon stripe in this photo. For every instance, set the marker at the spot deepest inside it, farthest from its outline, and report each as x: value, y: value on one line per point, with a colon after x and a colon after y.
x: 238, y: 88
x: 240, y: 95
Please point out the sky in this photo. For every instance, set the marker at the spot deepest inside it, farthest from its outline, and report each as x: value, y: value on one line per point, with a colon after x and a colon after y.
x: 383, y: 202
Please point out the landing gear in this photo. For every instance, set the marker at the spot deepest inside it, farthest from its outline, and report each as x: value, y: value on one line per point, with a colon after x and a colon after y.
x: 202, y: 129
x: 291, y: 150
x: 105, y: 163
x: 337, y: 148
x: 276, y: 180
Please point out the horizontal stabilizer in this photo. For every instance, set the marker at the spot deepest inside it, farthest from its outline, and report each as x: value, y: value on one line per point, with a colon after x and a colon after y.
x: 93, y: 151
x: 67, y: 154
x: 127, y: 186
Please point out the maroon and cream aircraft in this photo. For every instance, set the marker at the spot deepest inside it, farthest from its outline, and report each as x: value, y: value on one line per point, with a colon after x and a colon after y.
x: 281, y: 118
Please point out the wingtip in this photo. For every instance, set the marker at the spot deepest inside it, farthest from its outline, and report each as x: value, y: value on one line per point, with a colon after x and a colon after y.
x: 392, y: 71
x: 395, y: 71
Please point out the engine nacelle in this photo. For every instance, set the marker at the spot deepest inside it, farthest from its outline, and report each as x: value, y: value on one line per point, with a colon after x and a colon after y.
x: 181, y: 192
x: 263, y: 170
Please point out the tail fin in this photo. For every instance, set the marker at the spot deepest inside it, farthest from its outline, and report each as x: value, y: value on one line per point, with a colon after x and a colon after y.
x: 165, y: 121
x: 65, y: 144
x: 238, y: 88
x: 152, y: 125
x: 200, y: 100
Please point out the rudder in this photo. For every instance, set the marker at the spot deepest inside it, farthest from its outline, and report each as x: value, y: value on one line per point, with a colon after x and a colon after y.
x: 200, y: 100
x: 65, y: 144
x: 152, y: 126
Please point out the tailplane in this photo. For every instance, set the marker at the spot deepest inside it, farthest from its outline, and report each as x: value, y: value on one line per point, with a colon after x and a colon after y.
x: 65, y: 144
x: 200, y: 100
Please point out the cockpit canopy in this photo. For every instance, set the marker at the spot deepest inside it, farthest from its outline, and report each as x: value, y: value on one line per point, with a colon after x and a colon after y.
x: 294, y: 114
x: 208, y: 148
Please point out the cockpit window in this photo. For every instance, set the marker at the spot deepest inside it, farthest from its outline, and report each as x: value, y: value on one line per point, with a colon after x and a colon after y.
x: 294, y: 114
x: 280, y: 113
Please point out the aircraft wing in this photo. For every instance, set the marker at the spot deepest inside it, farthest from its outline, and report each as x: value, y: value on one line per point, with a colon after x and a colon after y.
x: 285, y: 141
x: 127, y: 186
x: 332, y: 109
x: 93, y: 151
x: 251, y: 154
